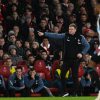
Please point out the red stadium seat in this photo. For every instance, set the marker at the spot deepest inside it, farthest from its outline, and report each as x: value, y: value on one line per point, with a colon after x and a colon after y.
x: 1, y: 63
x: 35, y: 94
x: 39, y: 66
x: 23, y: 62
x: 5, y: 72
x: 55, y: 65
x: 80, y: 71
x: 98, y: 69
x: 48, y: 75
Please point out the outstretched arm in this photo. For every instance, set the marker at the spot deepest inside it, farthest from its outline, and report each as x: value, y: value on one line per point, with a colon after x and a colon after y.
x: 98, y: 26
x: 52, y: 35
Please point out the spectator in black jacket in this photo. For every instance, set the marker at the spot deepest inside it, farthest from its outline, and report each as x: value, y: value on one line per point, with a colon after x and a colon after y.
x: 16, y: 83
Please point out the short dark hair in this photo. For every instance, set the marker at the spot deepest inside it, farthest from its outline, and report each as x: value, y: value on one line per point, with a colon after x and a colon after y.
x: 19, y: 67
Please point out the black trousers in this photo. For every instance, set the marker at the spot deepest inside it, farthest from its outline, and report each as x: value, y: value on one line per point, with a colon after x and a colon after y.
x: 74, y: 65
x: 4, y: 91
x: 12, y: 92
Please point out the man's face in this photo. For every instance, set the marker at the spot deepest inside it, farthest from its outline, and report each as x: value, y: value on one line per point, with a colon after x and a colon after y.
x: 32, y: 74
x: 44, y: 55
x: 31, y: 59
x: 9, y: 62
x: 2, y: 42
x: 72, y: 30
x: 19, y: 72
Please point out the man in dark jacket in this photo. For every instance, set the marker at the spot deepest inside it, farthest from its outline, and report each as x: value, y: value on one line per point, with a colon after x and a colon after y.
x: 16, y: 83
x: 34, y: 84
x: 75, y: 46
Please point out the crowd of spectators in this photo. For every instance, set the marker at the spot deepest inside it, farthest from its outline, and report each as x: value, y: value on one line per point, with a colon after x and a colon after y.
x: 20, y: 44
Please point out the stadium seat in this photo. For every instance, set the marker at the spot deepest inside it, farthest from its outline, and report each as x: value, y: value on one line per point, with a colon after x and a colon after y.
x: 55, y: 65
x: 39, y: 66
x: 17, y: 95
x: 35, y: 94
x: 54, y: 90
x: 1, y: 62
x: 47, y: 74
x: 5, y: 72
x: 80, y: 71
x: 98, y: 69
x: 23, y: 62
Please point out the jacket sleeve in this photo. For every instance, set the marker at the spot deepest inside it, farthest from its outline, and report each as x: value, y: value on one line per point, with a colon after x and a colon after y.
x: 28, y: 83
x: 85, y: 44
x: 54, y: 35
x: 40, y: 85
x: 3, y: 83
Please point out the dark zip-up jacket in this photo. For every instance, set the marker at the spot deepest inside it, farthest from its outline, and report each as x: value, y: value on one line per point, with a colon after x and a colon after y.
x: 73, y: 44
x: 15, y: 83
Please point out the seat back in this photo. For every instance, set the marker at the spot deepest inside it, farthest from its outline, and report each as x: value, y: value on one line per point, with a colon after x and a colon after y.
x: 39, y: 66
x: 5, y: 72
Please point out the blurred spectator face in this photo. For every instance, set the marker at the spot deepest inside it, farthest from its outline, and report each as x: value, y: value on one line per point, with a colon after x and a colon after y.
x: 81, y: 2
x: 19, y: 73
x: 60, y: 23
x: 58, y: 7
x: 14, y: 8
x: 16, y: 30
x: 71, y: 7
x: 13, y: 52
x: 9, y: 62
x: 18, y: 44
x: 31, y: 59
x: 27, y: 44
x: 56, y: 29
x: 83, y: 18
x: 5, y: 56
x: 1, y: 53
x: 58, y: 12
x: 43, y: 23
x: 35, y: 45
x: 44, y: 55
x: 2, y: 41
x: 12, y: 38
x: 83, y: 10
x: 28, y: 20
x: 28, y: 12
x: 72, y: 19
x: 15, y: 15
x: 1, y: 28
x: 28, y: 52
x: 45, y: 11
x: 45, y: 42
